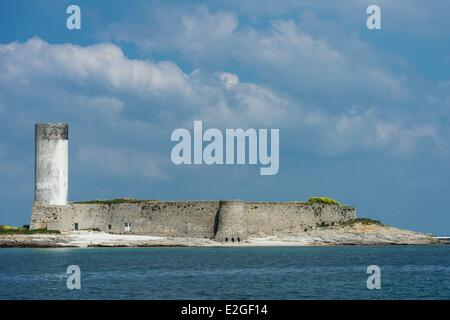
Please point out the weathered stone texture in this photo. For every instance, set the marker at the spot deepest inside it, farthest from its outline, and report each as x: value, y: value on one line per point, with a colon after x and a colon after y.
x: 221, y: 220
x: 51, y: 164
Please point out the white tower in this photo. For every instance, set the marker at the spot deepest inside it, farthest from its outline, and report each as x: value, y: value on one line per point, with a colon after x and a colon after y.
x: 51, y: 163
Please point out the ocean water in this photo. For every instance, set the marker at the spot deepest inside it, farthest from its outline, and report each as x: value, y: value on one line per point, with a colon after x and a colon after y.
x: 407, y: 272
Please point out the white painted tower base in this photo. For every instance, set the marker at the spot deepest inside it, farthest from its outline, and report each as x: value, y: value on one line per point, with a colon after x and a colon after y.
x: 51, y: 164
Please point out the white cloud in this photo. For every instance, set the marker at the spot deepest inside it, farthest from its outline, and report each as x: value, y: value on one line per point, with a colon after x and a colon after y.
x: 99, y: 85
x: 368, y: 132
x: 405, y: 16
x: 230, y: 79
x: 301, y: 56
x: 92, y: 108
x: 103, y: 64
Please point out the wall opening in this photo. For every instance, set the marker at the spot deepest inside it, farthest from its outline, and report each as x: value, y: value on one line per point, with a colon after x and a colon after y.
x: 226, y: 239
x: 75, y: 226
x: 109, y: 227
x: 232, y: 239
x: 127, y: 226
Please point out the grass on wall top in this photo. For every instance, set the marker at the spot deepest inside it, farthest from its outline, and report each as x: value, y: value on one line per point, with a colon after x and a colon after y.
x: 322, y: 200
x: 23, y: 230
x: 112, y: 201
x: 364, y: 221
x: 312, y: 200
x: 319, y: 200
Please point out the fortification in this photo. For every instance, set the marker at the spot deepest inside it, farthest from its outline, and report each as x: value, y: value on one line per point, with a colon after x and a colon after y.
x: 220, y: 220
x: 51, y: 164
x: 227, y: 221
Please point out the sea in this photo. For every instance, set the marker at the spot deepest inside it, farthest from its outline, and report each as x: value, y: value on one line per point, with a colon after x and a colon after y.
x: 403, y: 272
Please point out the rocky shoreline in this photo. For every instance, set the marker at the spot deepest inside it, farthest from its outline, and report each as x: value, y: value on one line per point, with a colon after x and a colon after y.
x: 355, y: 234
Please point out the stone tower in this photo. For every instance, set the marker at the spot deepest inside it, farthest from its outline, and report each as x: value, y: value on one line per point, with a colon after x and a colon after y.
x: 51, y: 163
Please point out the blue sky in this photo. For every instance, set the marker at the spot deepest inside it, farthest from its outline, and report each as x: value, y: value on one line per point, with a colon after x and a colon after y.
x: 363, y: 114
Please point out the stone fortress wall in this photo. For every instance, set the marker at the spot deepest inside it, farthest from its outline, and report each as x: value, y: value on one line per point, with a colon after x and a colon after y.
x: 245, y: 219
x: 219, y: 220
x: 224, y: 221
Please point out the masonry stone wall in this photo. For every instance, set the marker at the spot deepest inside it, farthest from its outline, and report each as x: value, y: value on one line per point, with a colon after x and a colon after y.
x: 240, y: 220
x: 171, y: 219
x: 221, y: 220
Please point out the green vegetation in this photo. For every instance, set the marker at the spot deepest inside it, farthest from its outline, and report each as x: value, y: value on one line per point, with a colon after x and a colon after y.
x: 365, y: 221
x: 312, y: 200
x: 325, y: 225
x: 22, y: 230
x: 322, y: 200
x: 113, y: 201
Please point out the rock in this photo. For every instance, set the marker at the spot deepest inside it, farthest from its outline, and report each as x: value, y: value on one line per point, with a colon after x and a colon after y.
x: 354, y: 234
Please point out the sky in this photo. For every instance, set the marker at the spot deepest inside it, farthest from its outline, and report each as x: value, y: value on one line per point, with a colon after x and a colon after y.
x: 364, y: 115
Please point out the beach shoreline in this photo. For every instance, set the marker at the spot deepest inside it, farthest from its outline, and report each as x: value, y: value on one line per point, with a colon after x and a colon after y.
x: 357, y: 234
